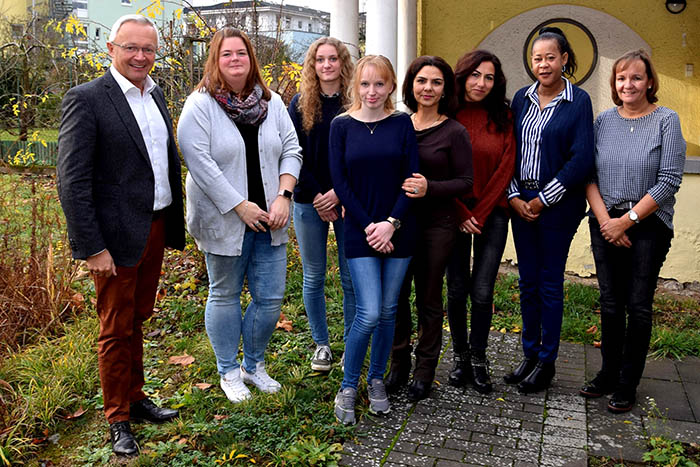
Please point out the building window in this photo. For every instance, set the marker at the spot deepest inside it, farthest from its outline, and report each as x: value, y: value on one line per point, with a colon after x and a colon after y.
x: 309, y: 27
x: 80, y: 4
x: 299, y: 26
x: 287, y: 22
x: 126, y: 2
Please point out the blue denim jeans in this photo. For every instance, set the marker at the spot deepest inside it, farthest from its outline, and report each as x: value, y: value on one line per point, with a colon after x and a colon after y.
x: 477, y: 283
x: 312, y: 235
x: 627, y: 279
x: 377, y: 284
x: 265, y: 267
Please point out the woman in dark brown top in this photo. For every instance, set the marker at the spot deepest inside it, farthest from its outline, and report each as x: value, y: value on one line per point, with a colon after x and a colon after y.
x: 445, y: 158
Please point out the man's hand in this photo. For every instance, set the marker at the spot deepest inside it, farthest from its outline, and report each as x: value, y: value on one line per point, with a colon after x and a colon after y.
x: 102, y: 264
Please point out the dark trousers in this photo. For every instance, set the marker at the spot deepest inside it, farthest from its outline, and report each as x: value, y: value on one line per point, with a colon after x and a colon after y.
x: 477, y: 283
x: 542, y: 247
x: 124, y: 302
x: 433, y: 250
x: 627, y: 279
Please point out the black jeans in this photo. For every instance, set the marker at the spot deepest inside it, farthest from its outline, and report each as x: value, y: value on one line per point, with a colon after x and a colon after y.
x: 627, y: 279
x: 477, y: 284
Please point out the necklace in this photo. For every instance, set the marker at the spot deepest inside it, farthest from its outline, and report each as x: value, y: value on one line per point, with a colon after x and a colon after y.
x: 371, y: 130
x: 432, y: 124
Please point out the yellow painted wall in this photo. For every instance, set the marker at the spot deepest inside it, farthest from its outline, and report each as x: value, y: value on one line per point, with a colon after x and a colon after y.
x: 451, y: 27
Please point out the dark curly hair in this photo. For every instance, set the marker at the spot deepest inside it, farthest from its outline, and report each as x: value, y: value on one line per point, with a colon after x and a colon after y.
x: 496, y: 102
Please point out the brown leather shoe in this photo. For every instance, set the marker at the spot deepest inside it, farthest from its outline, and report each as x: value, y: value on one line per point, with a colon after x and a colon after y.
x: 145, y: 409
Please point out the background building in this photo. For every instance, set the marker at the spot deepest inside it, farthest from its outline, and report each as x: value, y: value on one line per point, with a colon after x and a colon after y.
x: 295, y: 26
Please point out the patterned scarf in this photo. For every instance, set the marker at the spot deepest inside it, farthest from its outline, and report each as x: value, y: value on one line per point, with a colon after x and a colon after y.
x: 251, y: 111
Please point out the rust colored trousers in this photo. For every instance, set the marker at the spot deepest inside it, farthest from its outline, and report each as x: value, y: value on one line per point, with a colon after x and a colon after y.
x: 124, y: 302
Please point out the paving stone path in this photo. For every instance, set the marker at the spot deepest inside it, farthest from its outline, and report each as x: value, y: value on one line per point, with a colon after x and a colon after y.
x: 457, y: 427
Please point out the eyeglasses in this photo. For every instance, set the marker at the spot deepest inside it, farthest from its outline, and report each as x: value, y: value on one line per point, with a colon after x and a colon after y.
x: 132, y: 49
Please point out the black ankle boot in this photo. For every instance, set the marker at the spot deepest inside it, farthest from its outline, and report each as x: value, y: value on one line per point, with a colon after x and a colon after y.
x: 461, y: 370
x: 521, y: 372
x: 540, y: 378
x: 481, y: 378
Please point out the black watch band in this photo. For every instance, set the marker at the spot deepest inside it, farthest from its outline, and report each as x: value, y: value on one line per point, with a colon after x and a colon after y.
x: 286, y: 193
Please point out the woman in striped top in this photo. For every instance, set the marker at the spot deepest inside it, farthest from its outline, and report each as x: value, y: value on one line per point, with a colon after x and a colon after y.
x: 554, y: 160
x: 632, y: 228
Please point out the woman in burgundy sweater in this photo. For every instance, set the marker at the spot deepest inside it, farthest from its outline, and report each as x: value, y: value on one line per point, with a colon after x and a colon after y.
x: 483, y: 213
x: 445, y: 173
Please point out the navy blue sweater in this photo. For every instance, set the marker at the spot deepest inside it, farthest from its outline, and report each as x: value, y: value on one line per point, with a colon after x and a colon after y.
x: 315, y: 175
x: 367, y: 171
x: 566, y: 144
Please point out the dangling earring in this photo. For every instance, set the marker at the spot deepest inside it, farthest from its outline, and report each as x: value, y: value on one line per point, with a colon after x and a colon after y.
x: 563, y: 69
x: 649, y: 87
x: 443, y: 96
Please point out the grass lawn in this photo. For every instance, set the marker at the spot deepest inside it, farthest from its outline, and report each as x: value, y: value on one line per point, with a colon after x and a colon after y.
x: 56, y: 415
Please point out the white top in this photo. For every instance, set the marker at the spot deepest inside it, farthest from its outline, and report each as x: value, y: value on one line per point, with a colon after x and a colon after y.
x: 154, y: 132
x: 217, y: 181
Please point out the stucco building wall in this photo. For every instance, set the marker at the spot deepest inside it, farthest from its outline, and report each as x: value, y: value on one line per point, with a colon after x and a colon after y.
x: 451, y: 27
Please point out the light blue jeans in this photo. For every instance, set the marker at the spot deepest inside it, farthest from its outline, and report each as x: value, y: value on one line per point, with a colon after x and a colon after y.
x: 377, y: 284
x: 312, y: 235
x: 265, y: 266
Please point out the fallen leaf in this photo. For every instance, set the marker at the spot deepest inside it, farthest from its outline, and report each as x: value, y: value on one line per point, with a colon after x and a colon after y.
x: 597, y: 311
x: 93, y: 300
x: 203, y: 386
x: 627, y: 422
x: 500, y: 399
x: 182, y: 441
x: 153, y: 333
x: 77, y: 300
x: 284, y: 323
x: 220, y: 417
x: 183, y: 360
x: 596, y: 344
x: 592, y: 330
x: 161, y: 293
x: 516, y: 329
x: 502, y: 330
x: 77, y: 414
x: 39, y: 440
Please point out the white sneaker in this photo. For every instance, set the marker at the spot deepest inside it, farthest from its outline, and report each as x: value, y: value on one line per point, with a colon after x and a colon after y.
x: 233, y: 386
x: 260, y: 379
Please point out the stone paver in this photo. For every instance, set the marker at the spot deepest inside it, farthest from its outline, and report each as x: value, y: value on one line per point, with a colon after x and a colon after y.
x: 460, y: 427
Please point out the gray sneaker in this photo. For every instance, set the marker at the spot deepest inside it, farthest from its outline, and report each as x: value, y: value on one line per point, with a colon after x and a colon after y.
x: 378, y: 401
x: 322, y: 359
x: 345, y: 406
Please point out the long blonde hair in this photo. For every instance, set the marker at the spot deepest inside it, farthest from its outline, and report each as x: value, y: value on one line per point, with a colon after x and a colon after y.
x: 383, y: 67
x: 310, y: 99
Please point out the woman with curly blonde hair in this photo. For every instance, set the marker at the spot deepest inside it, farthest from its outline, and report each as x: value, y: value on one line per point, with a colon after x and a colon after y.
x: 325, y: 79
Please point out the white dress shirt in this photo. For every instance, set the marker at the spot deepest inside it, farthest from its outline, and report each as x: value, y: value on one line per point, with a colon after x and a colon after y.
x: 154, y: 132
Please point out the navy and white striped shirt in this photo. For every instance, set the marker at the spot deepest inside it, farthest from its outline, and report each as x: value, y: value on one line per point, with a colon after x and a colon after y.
x: 534, y: 122
x: 639, y: 156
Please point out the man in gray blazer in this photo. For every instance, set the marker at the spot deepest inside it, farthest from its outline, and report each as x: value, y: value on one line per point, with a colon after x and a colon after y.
x: 119, y: 183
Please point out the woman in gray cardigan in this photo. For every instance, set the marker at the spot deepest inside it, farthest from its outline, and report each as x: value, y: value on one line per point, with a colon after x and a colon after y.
x: 243, y: 157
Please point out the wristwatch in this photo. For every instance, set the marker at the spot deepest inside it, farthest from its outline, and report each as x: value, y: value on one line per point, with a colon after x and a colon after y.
x: 634, y: 217
x: 286, y: 193
x: 395, y: 222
